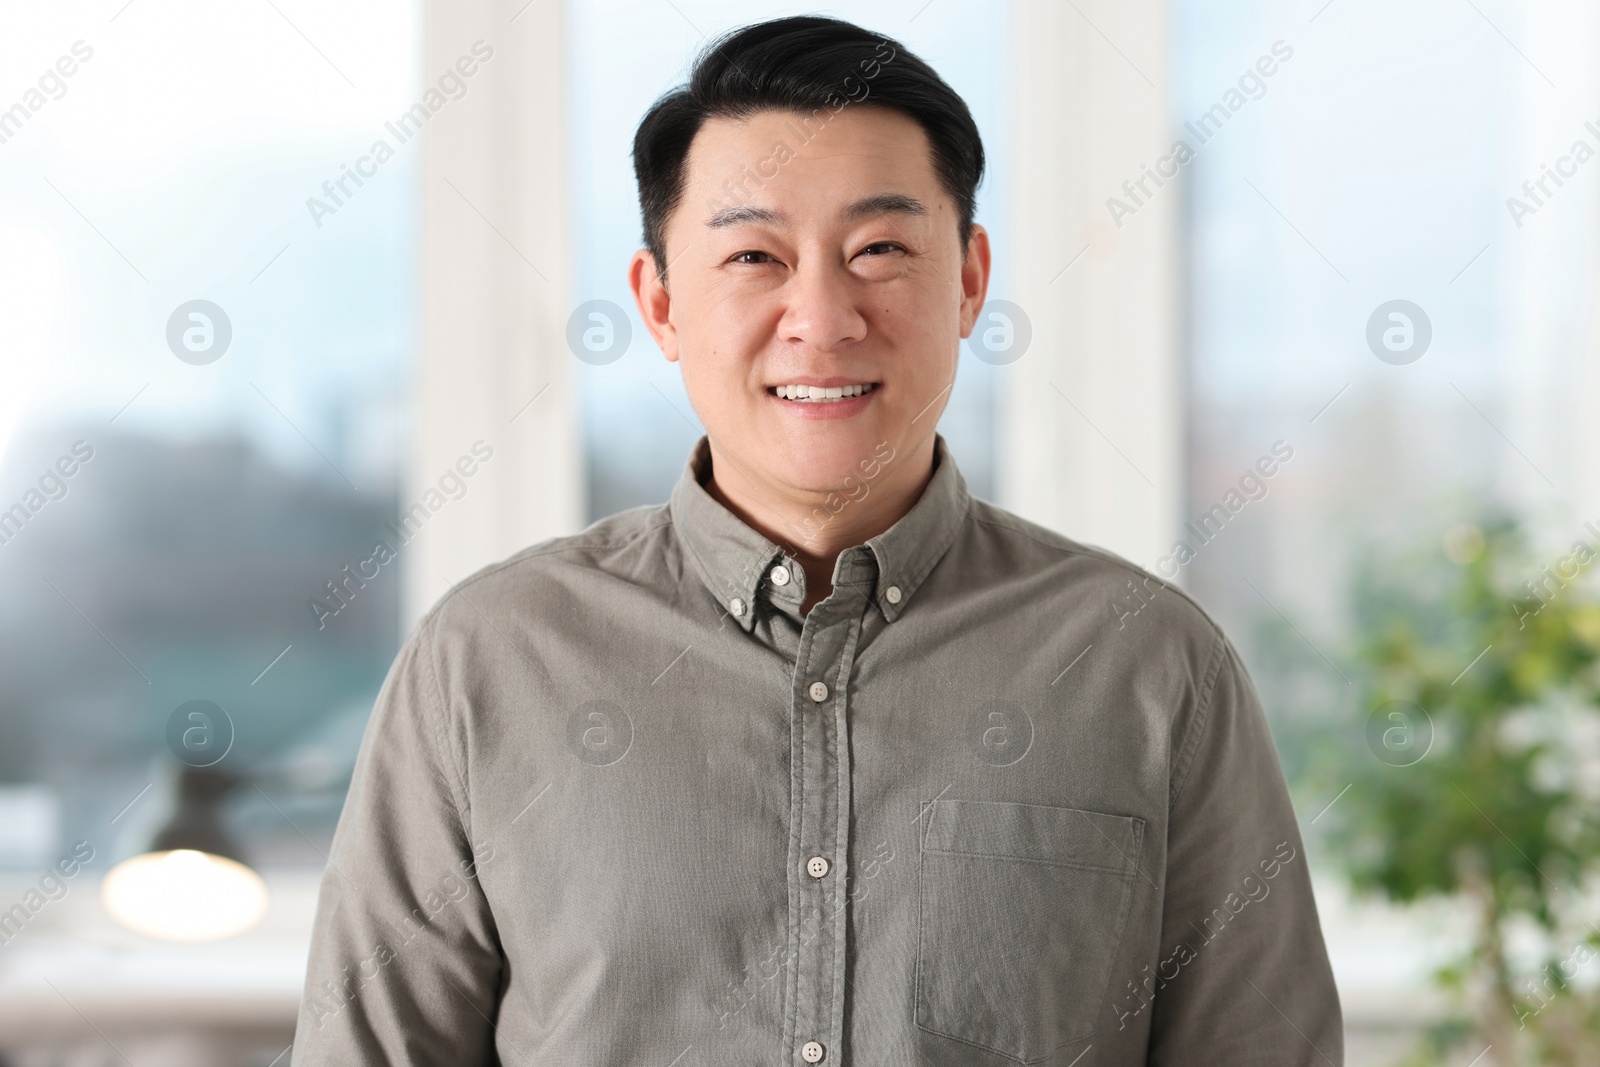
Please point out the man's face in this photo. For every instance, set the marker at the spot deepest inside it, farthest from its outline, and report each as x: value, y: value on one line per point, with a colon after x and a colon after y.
x: 838, y: 266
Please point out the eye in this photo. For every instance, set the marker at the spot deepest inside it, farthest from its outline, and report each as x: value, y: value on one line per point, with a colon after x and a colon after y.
x: 739, y: 257
x: 884, y: 246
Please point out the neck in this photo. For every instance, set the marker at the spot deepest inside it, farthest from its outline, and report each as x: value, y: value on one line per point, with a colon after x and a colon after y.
x: 817, y: 525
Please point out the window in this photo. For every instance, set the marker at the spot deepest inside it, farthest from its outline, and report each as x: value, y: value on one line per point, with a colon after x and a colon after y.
x: 1367, y: 169
x: 1379, y: 163
x: 182, y: 480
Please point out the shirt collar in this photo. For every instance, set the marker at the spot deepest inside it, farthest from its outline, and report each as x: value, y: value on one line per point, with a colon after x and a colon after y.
x: 736, y: 562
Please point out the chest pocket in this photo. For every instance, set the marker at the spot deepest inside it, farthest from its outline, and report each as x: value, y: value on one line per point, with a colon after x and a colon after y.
x: 1022, y: 910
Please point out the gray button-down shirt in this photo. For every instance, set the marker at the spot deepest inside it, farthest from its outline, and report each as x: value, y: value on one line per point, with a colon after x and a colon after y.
x: 999, y: 798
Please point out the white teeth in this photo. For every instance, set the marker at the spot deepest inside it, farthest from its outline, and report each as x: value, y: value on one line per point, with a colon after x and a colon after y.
x: 818, y: 394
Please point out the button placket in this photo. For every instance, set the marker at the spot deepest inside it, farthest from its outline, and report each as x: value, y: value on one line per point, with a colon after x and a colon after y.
x: 819, y: 775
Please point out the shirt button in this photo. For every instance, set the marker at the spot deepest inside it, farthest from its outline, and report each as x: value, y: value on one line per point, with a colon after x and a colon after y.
x: 818, y: 691
x: 811, y: 1052
x: 780, y: 575
x: 892, y: 594
x: 736, y: 606
x: 816, y: 866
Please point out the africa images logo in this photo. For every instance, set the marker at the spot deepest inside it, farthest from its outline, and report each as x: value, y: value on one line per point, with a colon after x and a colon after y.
x: 1251, y: 85
x: 1142, y: 993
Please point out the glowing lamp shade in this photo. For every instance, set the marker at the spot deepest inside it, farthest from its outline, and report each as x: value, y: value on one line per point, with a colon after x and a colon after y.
x: 192, y: 884
x: 184, y: 895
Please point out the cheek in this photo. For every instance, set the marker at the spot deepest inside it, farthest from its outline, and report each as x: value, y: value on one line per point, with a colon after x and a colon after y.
x: 924, y: 306
x: 726, y: 341
x: 929, y: 335
x: 728, y: 328
x: 718, y: 382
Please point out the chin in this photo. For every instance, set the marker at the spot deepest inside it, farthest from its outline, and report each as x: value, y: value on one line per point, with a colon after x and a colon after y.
x: 832, y: 458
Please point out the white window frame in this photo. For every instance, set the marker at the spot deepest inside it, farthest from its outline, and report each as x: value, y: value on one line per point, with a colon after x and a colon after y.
x: 1092, y: 423
x: 494, y: 297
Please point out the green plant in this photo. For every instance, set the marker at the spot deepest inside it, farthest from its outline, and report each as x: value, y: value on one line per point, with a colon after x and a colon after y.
x: 1471, y: 777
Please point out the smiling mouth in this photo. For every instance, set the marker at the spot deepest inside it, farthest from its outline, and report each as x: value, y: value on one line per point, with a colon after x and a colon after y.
x: 816, y: 394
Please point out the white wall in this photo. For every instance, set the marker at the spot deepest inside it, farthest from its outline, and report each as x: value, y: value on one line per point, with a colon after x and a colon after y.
x: 1092, y: 421
x: 494, y: 296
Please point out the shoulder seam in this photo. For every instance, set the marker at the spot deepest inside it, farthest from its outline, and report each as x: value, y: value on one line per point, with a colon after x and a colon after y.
x: 1208, y: 684
x: 1201, y: 723
x: 442, y: 734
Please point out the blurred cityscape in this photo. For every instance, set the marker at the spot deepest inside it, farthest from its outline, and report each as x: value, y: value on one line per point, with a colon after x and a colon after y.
x: 173, y: 571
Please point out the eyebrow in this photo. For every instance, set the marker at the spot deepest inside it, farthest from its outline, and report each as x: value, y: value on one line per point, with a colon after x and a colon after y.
x: 865, y: 208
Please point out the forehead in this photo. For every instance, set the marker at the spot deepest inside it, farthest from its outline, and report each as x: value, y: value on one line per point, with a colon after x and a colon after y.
x: 774, y: 157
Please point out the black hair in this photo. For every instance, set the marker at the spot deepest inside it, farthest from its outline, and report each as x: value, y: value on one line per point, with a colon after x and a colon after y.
x: 806, y: 64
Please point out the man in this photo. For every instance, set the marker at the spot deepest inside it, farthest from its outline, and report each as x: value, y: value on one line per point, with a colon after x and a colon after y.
x: 824, y: 761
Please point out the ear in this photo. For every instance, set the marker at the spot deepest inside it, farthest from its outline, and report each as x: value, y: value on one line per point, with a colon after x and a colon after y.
x: 655, y: 303
x: 974, y: 278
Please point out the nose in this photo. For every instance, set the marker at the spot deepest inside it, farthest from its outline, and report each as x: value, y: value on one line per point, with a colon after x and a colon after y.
x: 820, y: 310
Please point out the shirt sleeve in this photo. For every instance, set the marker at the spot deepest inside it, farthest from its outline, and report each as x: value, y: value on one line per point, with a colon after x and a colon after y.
x: 405, y: 964
x: 1244, y: 977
